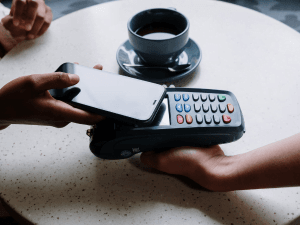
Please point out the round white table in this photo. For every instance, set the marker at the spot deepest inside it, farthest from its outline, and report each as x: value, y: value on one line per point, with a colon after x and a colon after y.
x: 49, y: 175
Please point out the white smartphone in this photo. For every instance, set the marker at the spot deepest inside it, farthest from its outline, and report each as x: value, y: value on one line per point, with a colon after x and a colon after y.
x: 111, y: 95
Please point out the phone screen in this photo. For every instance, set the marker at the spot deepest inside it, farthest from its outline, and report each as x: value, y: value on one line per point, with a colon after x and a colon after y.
x: 162, y: 117
x: 112, y: 93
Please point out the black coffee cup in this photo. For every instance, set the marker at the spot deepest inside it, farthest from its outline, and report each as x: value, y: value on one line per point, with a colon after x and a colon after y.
x: 158, y: 35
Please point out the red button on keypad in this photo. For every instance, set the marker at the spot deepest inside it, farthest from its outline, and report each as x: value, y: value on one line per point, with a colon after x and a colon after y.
x: 226, y: 119
x: 179, y: 119
x: 189, y: 118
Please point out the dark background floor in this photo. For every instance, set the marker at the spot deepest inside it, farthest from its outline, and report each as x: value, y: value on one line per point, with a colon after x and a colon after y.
x: 286, y: 11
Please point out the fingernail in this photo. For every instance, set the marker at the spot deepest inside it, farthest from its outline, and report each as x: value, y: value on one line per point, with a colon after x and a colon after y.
x: 28, y: 27
x: 74, y: 78
x: 30, y: 36
x: 16, y: 22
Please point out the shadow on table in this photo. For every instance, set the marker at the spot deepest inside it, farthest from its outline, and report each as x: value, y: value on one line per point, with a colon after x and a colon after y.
x: 15, y: 218
x: 213, y: 204
x: 295, y: 221
x: 81, y: 184
x: 8, y: 221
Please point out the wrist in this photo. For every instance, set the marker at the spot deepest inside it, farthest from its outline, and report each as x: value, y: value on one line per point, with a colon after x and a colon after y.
x: 221, y: 177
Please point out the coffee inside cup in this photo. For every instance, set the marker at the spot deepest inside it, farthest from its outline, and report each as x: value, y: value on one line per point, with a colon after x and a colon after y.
x: 159, y: 35
x: 158, y: 31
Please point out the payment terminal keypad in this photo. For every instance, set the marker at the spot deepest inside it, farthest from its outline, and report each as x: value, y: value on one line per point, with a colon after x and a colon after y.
x: 203, y: 109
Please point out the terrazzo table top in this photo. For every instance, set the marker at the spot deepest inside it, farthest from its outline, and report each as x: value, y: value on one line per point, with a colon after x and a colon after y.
x: 49, y: 175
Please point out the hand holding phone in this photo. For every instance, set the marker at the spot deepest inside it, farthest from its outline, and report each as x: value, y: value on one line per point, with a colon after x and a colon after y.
x: 26, y: 100
x: 111, y: 95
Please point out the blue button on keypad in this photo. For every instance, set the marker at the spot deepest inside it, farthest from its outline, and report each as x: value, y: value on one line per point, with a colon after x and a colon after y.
x: 187, y: 107
x: 177, y: 97
x: 179, y: 107
x: 185, y: 97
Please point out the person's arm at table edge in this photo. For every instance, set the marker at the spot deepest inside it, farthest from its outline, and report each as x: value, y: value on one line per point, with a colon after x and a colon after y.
x: 274, y: 165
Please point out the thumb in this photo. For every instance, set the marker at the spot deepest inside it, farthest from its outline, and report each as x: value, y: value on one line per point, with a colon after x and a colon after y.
x: 7, y: 23
x: 57, y: 80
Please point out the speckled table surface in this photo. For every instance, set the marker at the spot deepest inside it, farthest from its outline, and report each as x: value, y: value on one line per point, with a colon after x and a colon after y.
x: 49, y: 176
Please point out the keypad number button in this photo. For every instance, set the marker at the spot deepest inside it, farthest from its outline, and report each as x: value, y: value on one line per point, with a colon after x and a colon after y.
x: 177, y: 97
x: 197, y: 107
x: 207, y: 119
x: 179, y: 107
x: 195, y: 97
x: 213, y: 108
x: 199, y: 119
x: 216, y: 119
x: 212, y: 97
x: 185, y: 97
x: 205, y: 107
x: 221, y: 98
x: 222, y: 108
x: 188, y: 118
x: 180, y: 119
x: 203, y: 97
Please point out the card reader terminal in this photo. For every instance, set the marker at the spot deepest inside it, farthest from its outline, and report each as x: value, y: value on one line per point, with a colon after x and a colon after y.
x: 186, y: 117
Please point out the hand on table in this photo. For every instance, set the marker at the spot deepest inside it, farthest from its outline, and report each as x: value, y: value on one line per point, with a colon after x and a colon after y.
x: 26, y: 100
x: 28, y: 18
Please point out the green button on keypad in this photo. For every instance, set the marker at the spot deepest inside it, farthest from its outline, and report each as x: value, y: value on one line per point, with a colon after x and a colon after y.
x: 221, y: 98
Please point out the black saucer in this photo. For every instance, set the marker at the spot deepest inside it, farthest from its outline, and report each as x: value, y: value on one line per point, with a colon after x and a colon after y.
x: 191, y: 54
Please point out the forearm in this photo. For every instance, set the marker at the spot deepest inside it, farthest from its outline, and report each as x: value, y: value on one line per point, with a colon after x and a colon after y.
x: 274, y: 165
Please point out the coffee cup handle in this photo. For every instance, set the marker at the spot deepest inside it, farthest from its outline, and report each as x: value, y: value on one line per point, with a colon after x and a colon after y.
x: 172, y: 8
